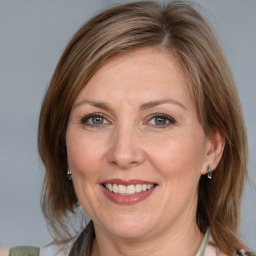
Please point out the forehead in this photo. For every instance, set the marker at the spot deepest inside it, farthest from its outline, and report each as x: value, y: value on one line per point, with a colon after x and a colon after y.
x: 141, y: 74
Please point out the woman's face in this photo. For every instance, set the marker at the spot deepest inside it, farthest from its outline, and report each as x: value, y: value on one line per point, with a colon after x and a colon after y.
x: 134, y: 129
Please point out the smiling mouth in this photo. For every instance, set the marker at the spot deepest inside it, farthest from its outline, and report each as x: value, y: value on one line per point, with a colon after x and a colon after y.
x: 128, y: 190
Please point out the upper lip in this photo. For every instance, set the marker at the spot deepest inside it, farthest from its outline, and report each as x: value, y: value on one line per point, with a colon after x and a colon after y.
x: 126, y: 182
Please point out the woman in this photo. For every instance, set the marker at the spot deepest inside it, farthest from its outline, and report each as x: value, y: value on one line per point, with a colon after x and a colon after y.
x: 142, y: 127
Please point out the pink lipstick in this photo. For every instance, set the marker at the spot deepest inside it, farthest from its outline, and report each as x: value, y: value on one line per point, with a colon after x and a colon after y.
x: 126, y: 192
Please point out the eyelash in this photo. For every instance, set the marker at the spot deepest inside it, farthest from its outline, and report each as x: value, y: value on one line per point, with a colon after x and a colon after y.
x: 165, y: 117
x: 85, y: 119
x: 170, y: 120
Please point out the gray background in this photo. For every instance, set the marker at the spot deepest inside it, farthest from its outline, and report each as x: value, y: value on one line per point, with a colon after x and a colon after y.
x: 33, y: 34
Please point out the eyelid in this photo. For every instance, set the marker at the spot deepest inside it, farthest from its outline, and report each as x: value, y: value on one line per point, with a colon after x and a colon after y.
x: 164, y: 116
x: 85, y: 118
x: 161, y: 115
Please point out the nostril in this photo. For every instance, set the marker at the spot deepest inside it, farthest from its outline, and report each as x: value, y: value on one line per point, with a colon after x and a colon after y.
x: 125, y: 152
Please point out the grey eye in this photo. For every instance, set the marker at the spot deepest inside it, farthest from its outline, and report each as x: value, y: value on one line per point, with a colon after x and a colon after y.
x: 160, y: 120
x: 96, y: 120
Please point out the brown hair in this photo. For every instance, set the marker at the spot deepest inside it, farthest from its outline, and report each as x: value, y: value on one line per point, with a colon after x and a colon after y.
x: 175, y: 27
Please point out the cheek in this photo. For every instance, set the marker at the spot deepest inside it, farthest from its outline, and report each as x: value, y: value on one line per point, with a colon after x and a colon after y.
x: 179, y: 156
x: 84, y: 155
x: 179, y: 163
x: 84, y: 158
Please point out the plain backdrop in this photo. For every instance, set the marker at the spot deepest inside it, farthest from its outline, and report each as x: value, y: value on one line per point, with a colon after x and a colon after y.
x: 33, y: 34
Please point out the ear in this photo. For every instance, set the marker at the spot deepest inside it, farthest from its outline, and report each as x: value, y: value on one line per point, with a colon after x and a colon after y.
x: 214, y: 150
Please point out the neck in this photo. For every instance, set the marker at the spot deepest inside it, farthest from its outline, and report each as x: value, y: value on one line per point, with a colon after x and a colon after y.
x: 184, y: 240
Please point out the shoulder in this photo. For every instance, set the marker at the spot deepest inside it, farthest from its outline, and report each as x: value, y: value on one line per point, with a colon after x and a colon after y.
x: 52, y: 250
x: 24, y: 251
x: 213, y: 250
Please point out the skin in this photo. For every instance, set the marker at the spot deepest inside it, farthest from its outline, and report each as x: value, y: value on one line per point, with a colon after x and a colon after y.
x: 4, y: 252
x: 130, y: 144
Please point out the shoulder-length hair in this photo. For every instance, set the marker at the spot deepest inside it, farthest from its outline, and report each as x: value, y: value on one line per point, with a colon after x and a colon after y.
x: 175, y: 27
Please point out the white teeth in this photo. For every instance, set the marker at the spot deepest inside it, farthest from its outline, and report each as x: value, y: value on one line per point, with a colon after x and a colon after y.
x: 115, y: 189
x: 144, y: 187
x: 110, y: 187
x: 121, y: 189
x: 128, y: 190
x: 138, y: 188
x: 148, y: 186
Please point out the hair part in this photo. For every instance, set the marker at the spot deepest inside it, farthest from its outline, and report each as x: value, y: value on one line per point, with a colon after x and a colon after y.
x: 178, y: 28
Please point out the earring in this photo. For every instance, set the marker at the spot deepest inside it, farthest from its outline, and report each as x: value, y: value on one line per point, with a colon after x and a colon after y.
x: 69, y: 174
x: 209, y: 170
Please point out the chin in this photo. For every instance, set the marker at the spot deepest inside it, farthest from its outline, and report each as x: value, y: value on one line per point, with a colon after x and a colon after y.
x: 129, y: 228
x: 129, y: 233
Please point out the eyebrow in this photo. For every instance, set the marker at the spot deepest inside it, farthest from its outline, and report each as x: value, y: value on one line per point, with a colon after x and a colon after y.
x: 144, y: 106
x: 152, y: 104
x: 95, y: 104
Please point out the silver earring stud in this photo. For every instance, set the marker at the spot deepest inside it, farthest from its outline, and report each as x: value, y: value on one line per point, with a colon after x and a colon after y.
x: 69, y: 174
x: 209, y: 170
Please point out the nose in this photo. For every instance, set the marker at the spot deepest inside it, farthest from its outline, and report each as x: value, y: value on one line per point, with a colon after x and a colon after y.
x: 126, y: 149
